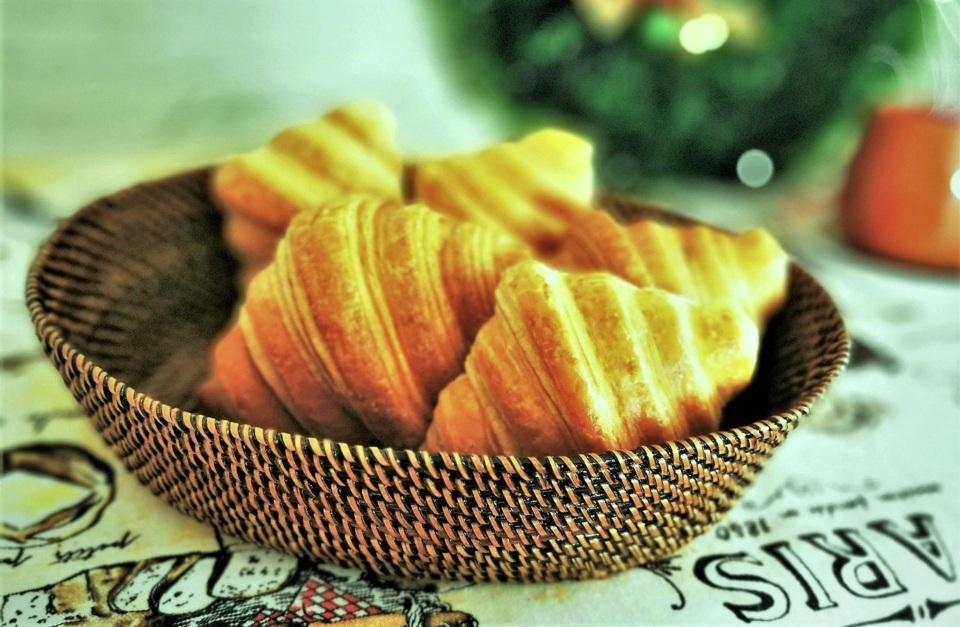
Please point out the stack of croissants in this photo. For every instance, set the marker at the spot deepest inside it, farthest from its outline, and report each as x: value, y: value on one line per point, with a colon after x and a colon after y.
x: 475, y: 303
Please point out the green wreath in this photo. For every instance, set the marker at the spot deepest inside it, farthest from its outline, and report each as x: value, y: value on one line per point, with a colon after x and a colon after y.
x: 788, y: 69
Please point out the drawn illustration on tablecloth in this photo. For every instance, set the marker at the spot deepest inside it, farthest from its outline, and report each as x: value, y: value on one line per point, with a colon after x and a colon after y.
x: 867, y: 354
x: 841, y: 411
x: 240, y: 584
x: 11, y: 363
x: 882, y: 558
x: 51, y: 492
x: 930, y: 609
x: 665, y: 569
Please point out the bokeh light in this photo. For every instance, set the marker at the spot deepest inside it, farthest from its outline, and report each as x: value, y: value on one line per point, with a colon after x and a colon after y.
x: 703, y: 34
x: 755, y: 168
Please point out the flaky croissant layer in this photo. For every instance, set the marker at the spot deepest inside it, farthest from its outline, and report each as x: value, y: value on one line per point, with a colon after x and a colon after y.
x: 586, y: 362
x: 348, y: 150
x: 365, y: 314
x: 530, y: 188
x: 698, y: 261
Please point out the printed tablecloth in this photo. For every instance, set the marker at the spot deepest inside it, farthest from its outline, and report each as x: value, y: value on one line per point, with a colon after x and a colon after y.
x: 855, y: 521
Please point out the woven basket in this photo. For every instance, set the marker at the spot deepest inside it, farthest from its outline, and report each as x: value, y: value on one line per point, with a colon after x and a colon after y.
x: 127, y: 295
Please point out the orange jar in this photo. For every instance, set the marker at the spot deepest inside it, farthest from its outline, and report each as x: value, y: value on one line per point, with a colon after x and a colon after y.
x: 898, y: 200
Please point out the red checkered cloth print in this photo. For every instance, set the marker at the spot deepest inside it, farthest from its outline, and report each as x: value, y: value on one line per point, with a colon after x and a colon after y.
x: 322, y: 601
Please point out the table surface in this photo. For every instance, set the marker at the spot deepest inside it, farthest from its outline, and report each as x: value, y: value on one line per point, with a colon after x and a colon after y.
x: 856, y: 519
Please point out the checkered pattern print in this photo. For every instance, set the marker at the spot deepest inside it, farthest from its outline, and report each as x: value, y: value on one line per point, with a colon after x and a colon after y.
x: 276, y: 617
x: 322, y: 601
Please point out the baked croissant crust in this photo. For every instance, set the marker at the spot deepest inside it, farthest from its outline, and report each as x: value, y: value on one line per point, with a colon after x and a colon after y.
x: 531, y: 188
x: 349, y: 150
x: 586, y: 362
x: 365, y: 314
x: 698, y: 261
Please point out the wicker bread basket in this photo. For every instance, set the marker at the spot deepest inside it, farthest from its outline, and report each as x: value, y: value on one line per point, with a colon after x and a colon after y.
x: 127, y: 295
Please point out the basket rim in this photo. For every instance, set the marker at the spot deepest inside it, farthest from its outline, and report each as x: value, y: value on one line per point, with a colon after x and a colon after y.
x: 54, y: 341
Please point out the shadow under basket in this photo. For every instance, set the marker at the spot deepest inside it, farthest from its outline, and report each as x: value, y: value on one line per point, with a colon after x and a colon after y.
x: 127, y: 296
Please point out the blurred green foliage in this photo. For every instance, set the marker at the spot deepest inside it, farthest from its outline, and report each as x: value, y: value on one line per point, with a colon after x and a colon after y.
x: 788, y: 70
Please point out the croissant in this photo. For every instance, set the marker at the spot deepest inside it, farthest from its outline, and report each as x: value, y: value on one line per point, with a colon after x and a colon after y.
x: 696, y: 261
x: 365, y: 314
x: 350, y: 150
x: 586, y: 362
x: 531, y: 188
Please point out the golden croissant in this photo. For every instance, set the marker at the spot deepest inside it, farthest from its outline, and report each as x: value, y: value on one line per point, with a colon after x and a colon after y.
x: 586, y: 362
x: 531, y: 188
x: 365, y: 314
x: 696, y: 261
x: 349, y: 150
